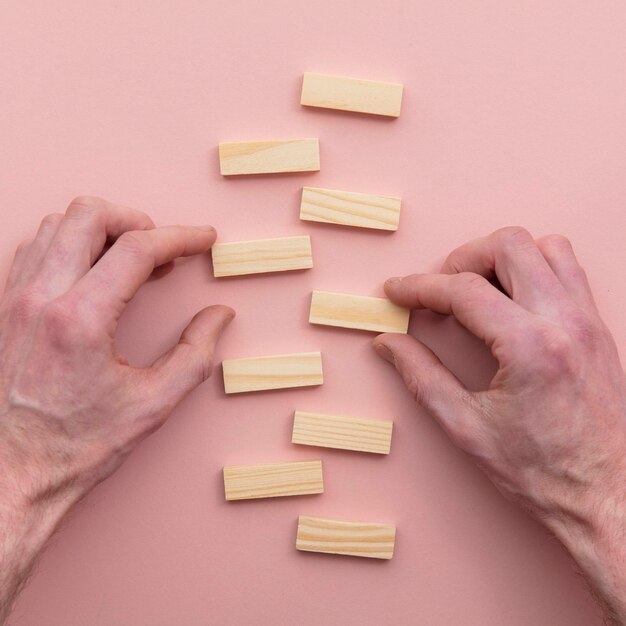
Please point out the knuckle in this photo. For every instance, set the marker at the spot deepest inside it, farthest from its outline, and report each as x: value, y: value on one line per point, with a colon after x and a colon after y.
x: 57, y: 316
x: 585, y: 329
x: 51, y: 219
x: 26, y: 305
x: 453, y: 263
x: 553, y: 353
x: 23, y: 247
x: 84, y: 207
x: 63, y: 324
x: 133, y: 242
x: 202, y: 361
x: 556, y: 242
x: 206, y: 367
x: 417, y: 390
x: 199, y: 366
x: 514, y: 237
x: 469, y: 281
x: 86, y: 201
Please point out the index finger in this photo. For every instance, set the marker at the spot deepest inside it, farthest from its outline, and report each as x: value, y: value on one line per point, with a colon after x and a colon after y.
x: 478, y: 305
x: 130, y: 261
x: 80, y: 238
x: 510, y: 254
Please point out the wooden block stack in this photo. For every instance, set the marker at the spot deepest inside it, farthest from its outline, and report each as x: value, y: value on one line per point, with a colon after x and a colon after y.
x: 359, y: 210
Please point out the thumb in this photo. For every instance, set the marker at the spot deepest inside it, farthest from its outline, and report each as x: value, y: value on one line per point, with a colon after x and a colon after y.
x: 190, y: 362
x: 432, y: 385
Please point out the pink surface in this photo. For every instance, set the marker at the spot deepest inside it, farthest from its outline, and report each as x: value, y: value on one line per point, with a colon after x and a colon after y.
x: 513, y: 114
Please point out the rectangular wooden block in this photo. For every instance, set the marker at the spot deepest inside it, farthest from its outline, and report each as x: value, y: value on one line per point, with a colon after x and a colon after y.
x: 261, y: 256
x: 271, y: 480
x: 345, y: 433
x: 269, y: 157
x: 273, y: 372
x: 351, y: 94
x: 350, y: 208
x: 374, y: 541
x: 362, y: 312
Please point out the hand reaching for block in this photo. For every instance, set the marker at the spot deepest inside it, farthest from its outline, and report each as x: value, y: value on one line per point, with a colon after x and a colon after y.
x: 550, y: 431
x: 71, y: 408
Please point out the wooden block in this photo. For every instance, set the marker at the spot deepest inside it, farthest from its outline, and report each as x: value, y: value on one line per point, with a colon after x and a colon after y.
x: 375, y: 541
x: 345, y: 433
x: 263, y: 255
x: 273, y: 372
x: 271, y: 480
x: 269, y: 157
x: 350, y: 208
x: 362, y: 312
x: 351, y: 94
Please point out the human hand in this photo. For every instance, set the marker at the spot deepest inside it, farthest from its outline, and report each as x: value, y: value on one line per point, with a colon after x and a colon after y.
x: 550, y: 431
x: 71, y: 408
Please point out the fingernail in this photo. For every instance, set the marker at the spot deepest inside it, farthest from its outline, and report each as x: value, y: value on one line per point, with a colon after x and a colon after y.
x: 393, y: 281
x: 209, y: 228
x: 228, y: 313
x: 384, y: 352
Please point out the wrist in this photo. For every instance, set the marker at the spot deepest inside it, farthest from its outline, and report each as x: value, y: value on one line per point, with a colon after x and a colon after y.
x: 40, y: 481
x: 26, y: 525
x: 592, y: 527
x: 48, y: 466
x: 34, y: 496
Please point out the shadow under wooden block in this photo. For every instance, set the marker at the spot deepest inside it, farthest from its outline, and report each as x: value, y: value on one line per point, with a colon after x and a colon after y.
x: 349, y: 208
x: 351, y: 94
x: 272, y: 480
x: 269, y: 157
x: 262, y: 256
x: 360, y: 312
x: 341, y: 432
x: 282, y: 371
x: 366, y: 539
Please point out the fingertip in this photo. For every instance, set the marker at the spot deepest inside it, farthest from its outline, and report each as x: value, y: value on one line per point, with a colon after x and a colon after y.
x: 218, y: 311
x: 227, y: 313
x: 393, y: 282
x: 199, y: 239
x: 210, y: 232
x: 207, y: 228
x: 382, y: 348
x: 392, y: 285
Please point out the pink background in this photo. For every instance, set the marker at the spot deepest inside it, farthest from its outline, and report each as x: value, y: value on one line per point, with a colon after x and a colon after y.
x: 514, y: 113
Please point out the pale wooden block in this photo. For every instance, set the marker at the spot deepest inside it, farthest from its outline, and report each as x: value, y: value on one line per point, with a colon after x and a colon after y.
x: 344, y: 433
x: 351, y: 94
x: 269, y: 157
x: 271, y: 480
x: 362, y: 312
x: 350, y: 208
x: 273, y: 372
x: 374, y: 541
x: 262, y: 255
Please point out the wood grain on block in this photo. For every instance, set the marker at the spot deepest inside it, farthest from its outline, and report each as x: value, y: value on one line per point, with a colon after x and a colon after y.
x: 362, y: 312
x: 350, y: 208
x: 273, y: 372
x: 238, y: 258
x: 351, y: 94
x: 269, y: 157
x: 375, y: 541
x: 345, y: 433
x: 271, y: 480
